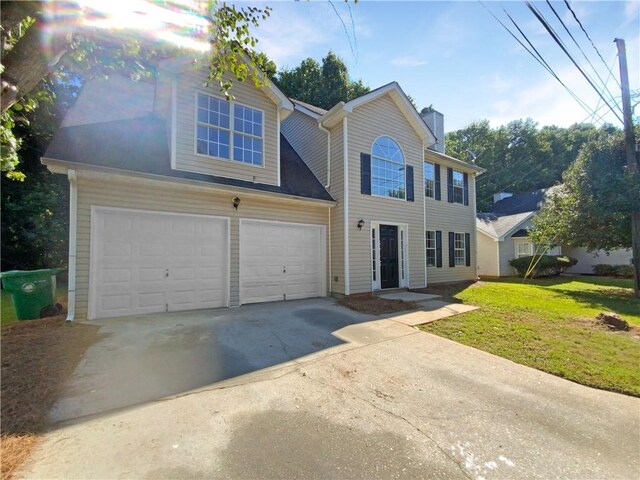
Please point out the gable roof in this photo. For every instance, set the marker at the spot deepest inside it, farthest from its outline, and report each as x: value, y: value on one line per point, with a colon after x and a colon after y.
x: 524, y: 202
x: 499, y: 227
x: 141, y: 145
x: 311, y: 110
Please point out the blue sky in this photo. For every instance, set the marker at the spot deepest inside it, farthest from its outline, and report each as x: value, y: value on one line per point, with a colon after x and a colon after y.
x: 455, y: 56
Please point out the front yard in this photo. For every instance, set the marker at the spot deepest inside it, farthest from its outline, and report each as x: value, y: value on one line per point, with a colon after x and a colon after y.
x: 549, y: 324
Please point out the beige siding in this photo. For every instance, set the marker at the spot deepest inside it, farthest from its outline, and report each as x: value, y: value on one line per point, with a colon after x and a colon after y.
x: 337, y: 213
x: 246, y: 94
x: 367, y: 122
x: 309, y: 141
x: 125, y: 192
x: 451, y: 217
x: 487, y: 255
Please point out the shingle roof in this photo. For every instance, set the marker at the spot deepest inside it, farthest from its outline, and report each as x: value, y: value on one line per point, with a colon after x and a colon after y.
x: 498, y: 226
x: 524, y: 202
x: 308, y: 106
x: 141, y: 145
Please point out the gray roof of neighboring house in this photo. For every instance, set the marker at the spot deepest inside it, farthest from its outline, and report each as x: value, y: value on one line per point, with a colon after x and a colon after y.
x: 308, y: 106
x: 141, y: 145
x: 524, y: 202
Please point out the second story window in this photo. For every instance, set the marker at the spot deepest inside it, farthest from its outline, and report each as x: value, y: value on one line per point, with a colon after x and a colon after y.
x: 458, y: 187
x: 429, y: 179
x: 387, y: 169
x: 216, y: 136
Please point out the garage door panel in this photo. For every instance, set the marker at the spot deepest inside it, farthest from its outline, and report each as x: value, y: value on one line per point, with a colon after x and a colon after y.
x: 149, y: 262
x: 279, y: 260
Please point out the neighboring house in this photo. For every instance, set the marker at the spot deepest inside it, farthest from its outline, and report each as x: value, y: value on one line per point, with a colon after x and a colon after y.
x: 183, y: 200
x: 503, y: 234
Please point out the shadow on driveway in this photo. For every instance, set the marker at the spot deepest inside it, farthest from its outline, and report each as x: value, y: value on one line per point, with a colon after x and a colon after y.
x: 148, y: 357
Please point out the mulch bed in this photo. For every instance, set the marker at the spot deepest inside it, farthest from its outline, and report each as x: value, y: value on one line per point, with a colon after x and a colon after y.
x: 375, y: 305
x: 447, y: 289
x: 37, y: 357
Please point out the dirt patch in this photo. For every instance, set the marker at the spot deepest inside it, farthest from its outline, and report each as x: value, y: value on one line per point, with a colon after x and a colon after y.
x: 376, y: 305
x: 37, y: 357
x: 447, y: 289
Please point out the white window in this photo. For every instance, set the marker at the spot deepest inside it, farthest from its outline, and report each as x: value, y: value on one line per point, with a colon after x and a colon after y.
x: 459, y: 249
x: 524, y: 249
x: 387, y: 169
x: 429, y: 179
x: 216, y: 137
x: 430, y: 236
x: 458, y: 187
x: 373, y: 252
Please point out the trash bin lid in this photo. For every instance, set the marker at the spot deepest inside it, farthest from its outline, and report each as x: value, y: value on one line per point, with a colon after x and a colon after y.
x: 44, y: 272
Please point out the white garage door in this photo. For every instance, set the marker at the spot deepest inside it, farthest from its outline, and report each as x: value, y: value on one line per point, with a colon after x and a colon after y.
x: 281, y: 261
x: 149, y: 262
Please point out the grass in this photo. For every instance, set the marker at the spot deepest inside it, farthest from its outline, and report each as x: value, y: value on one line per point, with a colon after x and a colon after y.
x: 7, y: 313
x: 549, y: 324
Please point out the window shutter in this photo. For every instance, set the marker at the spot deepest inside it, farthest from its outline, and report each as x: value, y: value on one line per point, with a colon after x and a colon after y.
x: 365, y: 173
x: 467, y: 249
x: 466, y: 188
x: 437, y: 181
x: 438, y: 249
x: 452, y: 253
x: 450, y: 185
x: 410, y: 195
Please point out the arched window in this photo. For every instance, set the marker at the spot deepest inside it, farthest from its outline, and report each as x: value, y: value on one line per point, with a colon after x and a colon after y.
x: 387, y: 168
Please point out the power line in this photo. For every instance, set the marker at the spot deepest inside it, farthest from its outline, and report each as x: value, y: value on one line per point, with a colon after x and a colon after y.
x: 583, y: 54
x: 538, y: 58
x: 587, y: 35
x: 555, y: 37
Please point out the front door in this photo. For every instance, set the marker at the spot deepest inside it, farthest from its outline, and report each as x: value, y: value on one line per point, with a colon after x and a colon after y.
x: 388, y: 256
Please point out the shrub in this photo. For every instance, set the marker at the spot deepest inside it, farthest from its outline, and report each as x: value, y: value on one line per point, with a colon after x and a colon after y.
x: 545, y: 265
x: 624, y: 271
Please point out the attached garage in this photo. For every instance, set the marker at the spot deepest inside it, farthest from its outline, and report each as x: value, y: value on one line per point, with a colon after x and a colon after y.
x: 150, y: 262
x: 281, y: 261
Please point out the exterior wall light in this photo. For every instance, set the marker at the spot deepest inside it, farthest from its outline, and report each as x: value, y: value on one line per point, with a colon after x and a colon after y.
x: 360, y: 224
x: 236, y: 202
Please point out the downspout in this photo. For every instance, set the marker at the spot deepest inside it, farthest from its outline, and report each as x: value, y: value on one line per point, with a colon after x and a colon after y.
x: 328, y: 132
x: 73, y: 221
x: 345, y: 154
x: 424, y: 218
x: 278, y: 144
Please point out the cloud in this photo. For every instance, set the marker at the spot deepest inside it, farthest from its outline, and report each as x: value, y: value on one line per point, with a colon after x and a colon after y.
x: 408, y: 61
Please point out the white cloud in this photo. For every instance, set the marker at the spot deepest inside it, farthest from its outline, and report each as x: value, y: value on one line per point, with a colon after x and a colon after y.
x: 408, y: 61
x: 631, y: 12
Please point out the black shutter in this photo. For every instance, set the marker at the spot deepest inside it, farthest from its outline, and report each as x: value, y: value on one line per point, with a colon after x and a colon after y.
x: 450, y: 185
x: 466, y: 188
x: 409, y: 183
x: 452, y: 253
x: 467, y: 249
x: 437, y: 182
x: 365, y: 173
x: 438, y: 249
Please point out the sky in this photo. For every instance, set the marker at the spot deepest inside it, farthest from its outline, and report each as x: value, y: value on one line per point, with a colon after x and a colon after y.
x: 456, y: 57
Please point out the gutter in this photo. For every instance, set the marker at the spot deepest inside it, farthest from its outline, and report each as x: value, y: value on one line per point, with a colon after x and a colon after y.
x: 345, y: 154
x: 73, y: 220
x: 328, y: 132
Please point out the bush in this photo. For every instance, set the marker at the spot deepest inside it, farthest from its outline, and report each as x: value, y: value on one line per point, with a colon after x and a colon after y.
x: 545, y: 265
x: 624, y: 271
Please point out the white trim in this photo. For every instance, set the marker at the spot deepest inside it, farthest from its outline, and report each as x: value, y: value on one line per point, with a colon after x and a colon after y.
x: 328, y: 240
x: 174, y: 120
x: 515, y: 227
x: 306, y: 111
x: 446, y: 159
x: 323, y: 236
x: 126, y: 175
x: 231, y: 131
x: 277, y: 144
x: 73, y: 235
x: 404, y: 160
x: 404, y: 239
x: 424, y: 219
x: 345, y: 154
x: 328, y: 132
x: 93, y: 253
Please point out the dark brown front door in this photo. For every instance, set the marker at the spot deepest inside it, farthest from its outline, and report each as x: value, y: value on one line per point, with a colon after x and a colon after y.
x: 388, y: 256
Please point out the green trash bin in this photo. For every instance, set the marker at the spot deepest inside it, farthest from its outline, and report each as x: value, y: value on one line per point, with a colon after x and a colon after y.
x: 33, y: 292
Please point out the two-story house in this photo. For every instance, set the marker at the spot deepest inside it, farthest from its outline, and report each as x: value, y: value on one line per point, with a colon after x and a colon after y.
x: 181, y: 199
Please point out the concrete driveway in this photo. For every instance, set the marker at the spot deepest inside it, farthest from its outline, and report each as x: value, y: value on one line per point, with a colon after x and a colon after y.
x: 307, y: 389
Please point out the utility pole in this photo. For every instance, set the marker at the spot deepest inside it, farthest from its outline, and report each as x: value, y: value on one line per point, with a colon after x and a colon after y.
x: 632, y: 162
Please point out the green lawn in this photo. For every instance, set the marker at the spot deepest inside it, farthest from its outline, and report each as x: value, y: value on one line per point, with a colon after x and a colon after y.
x: 8, y: 315
x: 548, y: 324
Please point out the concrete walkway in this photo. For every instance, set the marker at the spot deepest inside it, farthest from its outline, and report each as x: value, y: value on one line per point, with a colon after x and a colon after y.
x: 382, y: 400
x: 432, y: 308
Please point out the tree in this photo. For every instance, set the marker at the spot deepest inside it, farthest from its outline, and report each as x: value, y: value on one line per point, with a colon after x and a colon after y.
x: 320, y: 85
x: 592, y: 207
x: 81, y: 52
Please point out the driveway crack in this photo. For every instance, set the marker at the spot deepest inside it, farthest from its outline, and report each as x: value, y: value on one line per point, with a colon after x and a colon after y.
x: 399, y: 417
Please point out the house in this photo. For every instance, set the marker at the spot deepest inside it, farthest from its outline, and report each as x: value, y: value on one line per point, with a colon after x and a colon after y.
x: 181, y: 199
x: 503, y: 234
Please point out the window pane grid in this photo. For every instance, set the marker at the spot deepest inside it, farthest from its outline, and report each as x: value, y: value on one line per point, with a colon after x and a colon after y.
x: 458, y: 187
x: 373, y: 251
x: 431, y: 248
x: 429, y: 179
x: 387, y: 169
x: 459, y: 249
